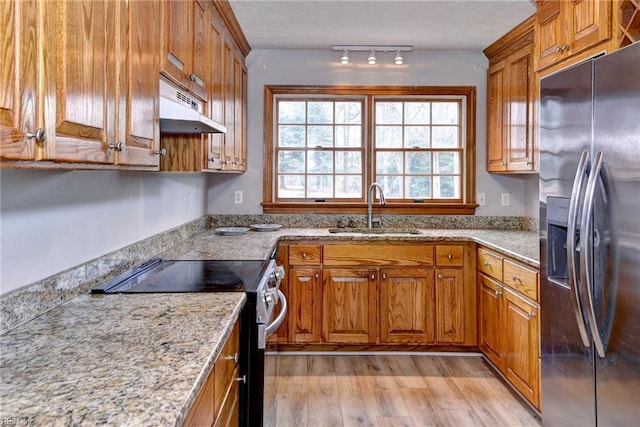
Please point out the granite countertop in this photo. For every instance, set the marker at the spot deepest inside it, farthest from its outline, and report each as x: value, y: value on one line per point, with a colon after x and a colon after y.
x: 114, y: 359
x: 520, y: 245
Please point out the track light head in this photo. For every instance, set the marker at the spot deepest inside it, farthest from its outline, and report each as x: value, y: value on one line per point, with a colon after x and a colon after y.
x: 399, y: 60
x: 372, y: 57
x: 344, y: 59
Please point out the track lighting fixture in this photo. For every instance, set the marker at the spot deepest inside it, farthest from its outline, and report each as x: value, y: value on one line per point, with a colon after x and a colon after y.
x: 344, y: 59
x: 373, y: 50
x: 399, y: 60
x: 372, y: 57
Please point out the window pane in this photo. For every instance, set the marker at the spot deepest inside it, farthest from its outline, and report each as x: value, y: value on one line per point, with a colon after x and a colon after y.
x: 291, y: 136
x: 389, y: 162
x: 291, y: 161
x: 291, y: 112
x: 418, y: 163
x: 388, y: 136
x: 446, y: 187
x: 445, y: 137
x: 320, y: 112
x: 445, y: 113
x: 392, y: 186
x: 320, y: 136
x: 388, y: 113
x: 291, y: 186
x: 416, y: 113
x: 320, y: 186
x: 348, y: 186
x: 446, y: 163
x: 348, y: 136
x: 348, y: 162
x: 416, y: 137
x: 418, y: 187
x: 348, y: 113
x: 320, y: 162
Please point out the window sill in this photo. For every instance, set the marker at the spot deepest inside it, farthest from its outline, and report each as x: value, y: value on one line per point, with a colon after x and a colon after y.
x: 361, y: 208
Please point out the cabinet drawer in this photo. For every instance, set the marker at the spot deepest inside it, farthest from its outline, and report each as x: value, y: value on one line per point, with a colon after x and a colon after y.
x: 490, y: 263
x: 521, y: 279
x: 229, y: 412
x: 450, y: 255
x: 305, y: 254
x: 226, y: 366
x: 371, y: 254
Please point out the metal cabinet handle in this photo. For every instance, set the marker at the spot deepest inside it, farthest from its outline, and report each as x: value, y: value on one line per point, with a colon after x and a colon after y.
x: 497, y: 293
x: 528, y: 162
x: 242, y: 379
x: 531, y: 315
x: 450, y: 257
x: 162, y: 152
x: 235, y: 357
x: 40, y: 135
x: 304, y: 255
x: 373, y: 276
x: 384, y: 276
x: 440, y: 276
x: 487, y: 264
x: 516, y: 278
x: 317, y: 276
x: 118, y: 146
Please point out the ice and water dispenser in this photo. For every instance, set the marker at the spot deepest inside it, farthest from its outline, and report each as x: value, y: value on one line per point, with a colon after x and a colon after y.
x: 557, y: 224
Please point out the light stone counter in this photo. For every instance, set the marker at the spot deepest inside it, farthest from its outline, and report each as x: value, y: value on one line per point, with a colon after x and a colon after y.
x: 520, y: 245
x: 125, y: 360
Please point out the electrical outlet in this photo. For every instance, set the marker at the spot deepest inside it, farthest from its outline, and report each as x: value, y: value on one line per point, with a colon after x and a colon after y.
x: 481, y: 199
x: 506, y: 199
x: 237, y: 199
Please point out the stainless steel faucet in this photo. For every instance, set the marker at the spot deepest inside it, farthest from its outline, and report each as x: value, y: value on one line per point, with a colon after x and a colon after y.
x: 370, y: 202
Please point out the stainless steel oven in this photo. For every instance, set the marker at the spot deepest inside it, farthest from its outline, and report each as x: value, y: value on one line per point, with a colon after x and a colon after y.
x: 260, y: 317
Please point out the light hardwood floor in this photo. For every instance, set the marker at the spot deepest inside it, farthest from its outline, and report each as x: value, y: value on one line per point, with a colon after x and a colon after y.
x: 380, y: 390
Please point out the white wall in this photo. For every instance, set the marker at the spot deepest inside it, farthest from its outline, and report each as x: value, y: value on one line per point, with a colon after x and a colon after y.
x: 321, y: 67
x: 54, y: 220
x: 532, y: 203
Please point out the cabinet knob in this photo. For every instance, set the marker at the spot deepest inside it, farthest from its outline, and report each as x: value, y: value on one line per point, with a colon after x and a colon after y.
x: 497, y: 293
x: 532, y: 315
x: 450, y: 257
x: 503, y: 164
x: 235, y: 357
x: 304, y: 255
x: 118, y: 146
x: 562, y: 48
x: 162, y: 152
x: 373, y: 276
x: 40, y: 135
x: 317, y: 276
x: 242, y: 379
x: 440, y: 276
x: 516, y: 278
x: 528, y: 162
x: 384, y: 276
x: 486, y: 264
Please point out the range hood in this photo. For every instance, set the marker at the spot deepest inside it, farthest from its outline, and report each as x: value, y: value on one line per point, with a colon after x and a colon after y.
x: 182, y: 113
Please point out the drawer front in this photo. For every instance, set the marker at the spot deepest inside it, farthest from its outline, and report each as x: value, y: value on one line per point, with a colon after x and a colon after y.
x: 229, y: 413
x: 305, y: 254
x: 450, y: 255
x: 490, y: 264
x: 226, y: 366
x: 378, y: 254
x: 521, y: 278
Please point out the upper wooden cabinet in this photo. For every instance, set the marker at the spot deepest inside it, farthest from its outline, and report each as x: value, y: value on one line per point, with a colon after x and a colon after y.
x: 565, y: 28
x: 80, y: 90
x: 510, y: 102
x: 628, y: 22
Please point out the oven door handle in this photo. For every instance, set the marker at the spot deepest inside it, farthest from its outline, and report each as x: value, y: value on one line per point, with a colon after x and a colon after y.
x: 278, y: 320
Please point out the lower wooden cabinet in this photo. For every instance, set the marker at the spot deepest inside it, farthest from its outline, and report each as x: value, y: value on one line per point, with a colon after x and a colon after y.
x: 407, y: 305
x: 450, y: 307
x: 218, y: 400
x: 305, y: 305
x: 509, y: 326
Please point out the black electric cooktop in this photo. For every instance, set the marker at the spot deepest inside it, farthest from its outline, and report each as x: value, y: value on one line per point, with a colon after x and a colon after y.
x: 159, y: 275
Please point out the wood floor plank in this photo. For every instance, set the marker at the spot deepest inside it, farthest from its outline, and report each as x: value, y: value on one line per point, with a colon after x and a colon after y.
x: 324, y: 406
x: 382, y: 390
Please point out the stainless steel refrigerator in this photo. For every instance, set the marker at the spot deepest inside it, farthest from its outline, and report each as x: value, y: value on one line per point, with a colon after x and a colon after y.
x: 590, y: 242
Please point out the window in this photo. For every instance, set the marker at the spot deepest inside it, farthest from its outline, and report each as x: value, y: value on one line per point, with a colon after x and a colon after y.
x: 324, y: 146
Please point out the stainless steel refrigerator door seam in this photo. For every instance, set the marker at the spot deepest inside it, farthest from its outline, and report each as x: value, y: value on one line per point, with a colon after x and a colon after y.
x: 582, y: 170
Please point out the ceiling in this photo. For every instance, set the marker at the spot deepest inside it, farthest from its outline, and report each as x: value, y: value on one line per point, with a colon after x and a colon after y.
x: 424, y: 24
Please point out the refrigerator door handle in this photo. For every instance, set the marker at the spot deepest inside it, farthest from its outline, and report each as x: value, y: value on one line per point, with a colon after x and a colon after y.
x: 599, y: 174
x: 576, y: 192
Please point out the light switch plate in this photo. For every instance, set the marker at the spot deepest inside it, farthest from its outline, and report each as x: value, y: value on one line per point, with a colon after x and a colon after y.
x: 506, y: 199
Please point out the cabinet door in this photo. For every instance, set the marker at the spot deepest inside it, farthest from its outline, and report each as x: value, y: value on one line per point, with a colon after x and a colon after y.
x: 491, y: 320
x: 305, y: 312
x: 406, y: 305
x: 177, y: 45
x: 588, y: 23
x: 216, y: 89
x: 522, y: 346
x: 550, y: 43
x: 349, y: 306
x: 81, y: 63
x: 19, y: 94
x: 139, y: 115
x: 520, y: 106
x: 497, y: 115
x: 449, y: 294
x: 200, y: 62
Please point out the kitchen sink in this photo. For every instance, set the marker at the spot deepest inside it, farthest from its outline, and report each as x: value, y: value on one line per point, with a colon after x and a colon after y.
x: 376, y: 230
